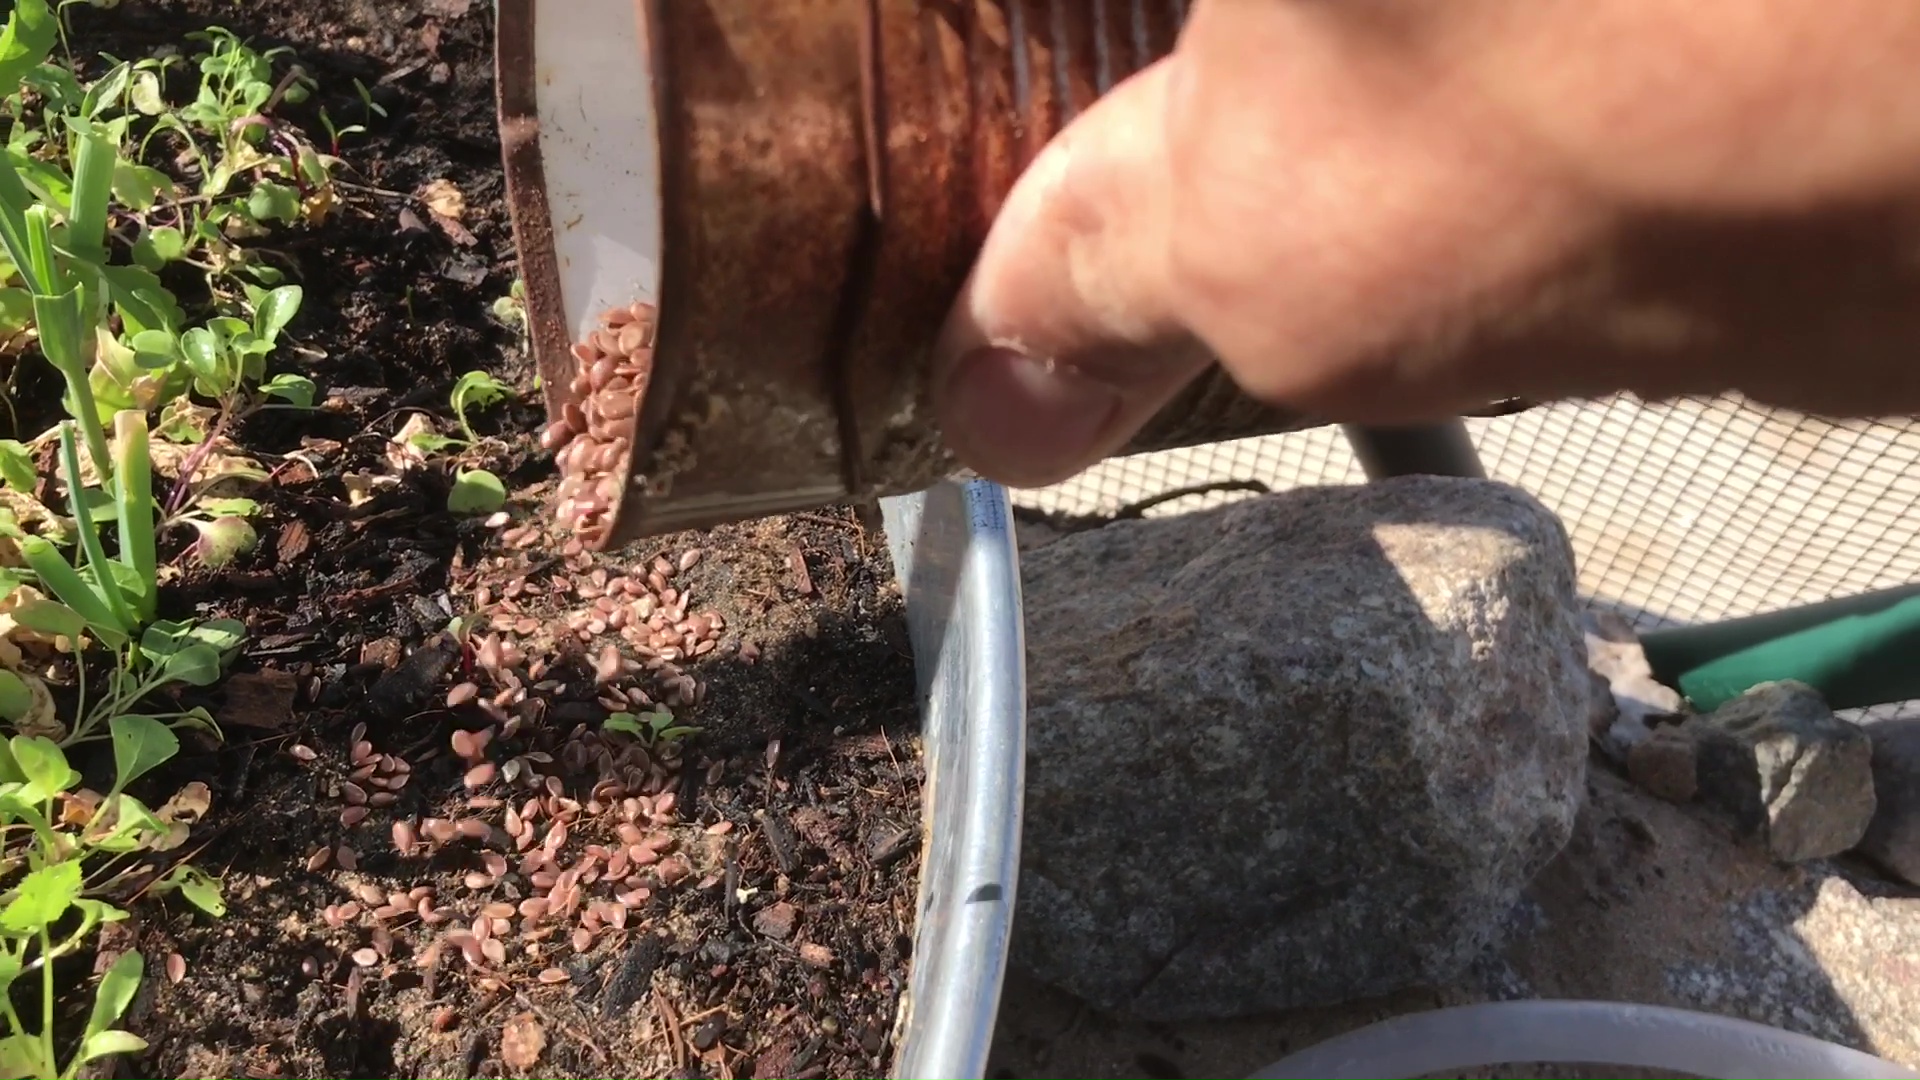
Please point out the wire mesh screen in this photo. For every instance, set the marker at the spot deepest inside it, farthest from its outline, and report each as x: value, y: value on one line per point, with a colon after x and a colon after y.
x: 1683, y: 512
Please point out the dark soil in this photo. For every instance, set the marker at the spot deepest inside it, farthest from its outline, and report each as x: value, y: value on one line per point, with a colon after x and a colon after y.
x: 774, y: 931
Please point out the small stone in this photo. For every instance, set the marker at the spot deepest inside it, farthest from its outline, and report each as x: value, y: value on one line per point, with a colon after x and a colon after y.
x: 1893, y: 839
x: 1664, y: 765
x: 1779, y: 760
x: 776, y: 921
x: 522, y: 1041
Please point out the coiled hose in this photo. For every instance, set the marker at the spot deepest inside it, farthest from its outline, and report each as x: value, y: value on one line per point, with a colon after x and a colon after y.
x: 1578, y: 1032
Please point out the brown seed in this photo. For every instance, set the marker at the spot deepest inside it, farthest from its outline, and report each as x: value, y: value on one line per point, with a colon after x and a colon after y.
x: 553, y: 975
x: 499, y: 909
x: 468, y: 945
x: 303, y: 752
x: 353, y: 815
x: 557, y: 434
x: 359, y: 732
x: 462, y: 694
x: 366, y: 957
x: 609, y: 665
x: 362, y: 750
x: 176, y: 967
x: 346, y: 857
x: 533, y: 907
x: 382, y: 798
x: 480, y: 775
x: 389, y: 911
x: 495, y: 863
x: 353, y: 793
x: 444, y: 1019
x: 317, y: 861
x: 476, y: 880
x: 719, y: 828
x: 463, y: 744
x: 474, y: 829
x: 582, y: 940
x: 439, y: 830
x: 494, y: 950
x: 423, y: 907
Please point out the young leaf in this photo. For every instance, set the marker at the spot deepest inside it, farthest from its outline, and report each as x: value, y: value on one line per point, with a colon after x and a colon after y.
x: 623, y: 722
x: 200, y: 719
x: 133, y: 503
x: 222, y: 540
x: 140, y: 745
x: 164, y: 637
x: 15, y: 698
x: 26, y: 40
x: 476, y: 491
x: 113, y: 1041
x: 20, y: 1056
x: 295, y: 390
x: 195, y: 664
x: 146, y: 94
x: 223, y: 636
x: 155, y: 350
x: 134, y: 827
x: 42, y: 897
x: 73, y: 590
x: 44, y: 766
x: 117, y: 988
x: 229, y: 507
x: 429, y: 442
x: 16, y: 466
x: 276, y: 311
x: 50, y: 617
x: 200, y: 890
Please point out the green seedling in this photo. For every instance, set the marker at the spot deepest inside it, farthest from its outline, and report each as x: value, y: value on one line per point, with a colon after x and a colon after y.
x: 113, y: 601
x: 476, y: 491
x: 73, y: 846
x: 473, y: 390
x: 652, y: 727
x: 223, y: 530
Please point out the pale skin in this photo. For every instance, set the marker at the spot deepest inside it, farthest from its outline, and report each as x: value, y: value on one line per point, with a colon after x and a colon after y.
x: 1390, y: 211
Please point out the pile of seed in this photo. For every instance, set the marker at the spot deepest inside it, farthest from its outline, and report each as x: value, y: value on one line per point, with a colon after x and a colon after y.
x: 556, y: 842
x: 592, y: 438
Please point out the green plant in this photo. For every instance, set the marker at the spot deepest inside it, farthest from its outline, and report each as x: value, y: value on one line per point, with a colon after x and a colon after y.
x: 652, y: 727
x: 473, y: 390
x: 77, y: 152
x: 113, y: 601
x: 76, y: 847
x: 476, y: 491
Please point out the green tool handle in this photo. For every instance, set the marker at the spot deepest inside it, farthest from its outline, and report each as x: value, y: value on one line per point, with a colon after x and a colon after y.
x: 1857, y: 651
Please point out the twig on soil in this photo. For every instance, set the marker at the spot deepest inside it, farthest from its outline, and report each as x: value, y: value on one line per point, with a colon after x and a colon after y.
x: 371, y: 190
x: 553, y: 1021
x: 672, y: 1024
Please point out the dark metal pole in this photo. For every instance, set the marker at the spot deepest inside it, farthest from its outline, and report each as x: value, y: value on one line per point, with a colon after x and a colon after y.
x: 1443, y: 449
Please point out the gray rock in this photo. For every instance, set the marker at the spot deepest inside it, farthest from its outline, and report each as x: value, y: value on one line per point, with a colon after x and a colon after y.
x: 1295, y: 750
x: 1893, y: 839
x: 1615, y: 656
x: 1779, y: 760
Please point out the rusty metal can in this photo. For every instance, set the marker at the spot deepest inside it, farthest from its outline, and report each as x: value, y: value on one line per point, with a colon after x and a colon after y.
x: 795, y: 192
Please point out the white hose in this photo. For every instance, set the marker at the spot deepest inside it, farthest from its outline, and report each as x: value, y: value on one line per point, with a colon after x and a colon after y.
x: 1578, y: 1032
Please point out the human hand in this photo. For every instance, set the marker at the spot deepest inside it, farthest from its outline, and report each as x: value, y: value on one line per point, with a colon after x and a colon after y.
x: 1388, y: 211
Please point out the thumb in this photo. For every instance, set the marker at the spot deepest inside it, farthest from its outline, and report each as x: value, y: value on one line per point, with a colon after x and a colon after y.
x: 1061, y: 345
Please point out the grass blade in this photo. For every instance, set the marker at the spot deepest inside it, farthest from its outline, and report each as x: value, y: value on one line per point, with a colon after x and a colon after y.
x: 71, y: 589
x: 133, y: 497
x: 90, y: 536
x: 93, y: 160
